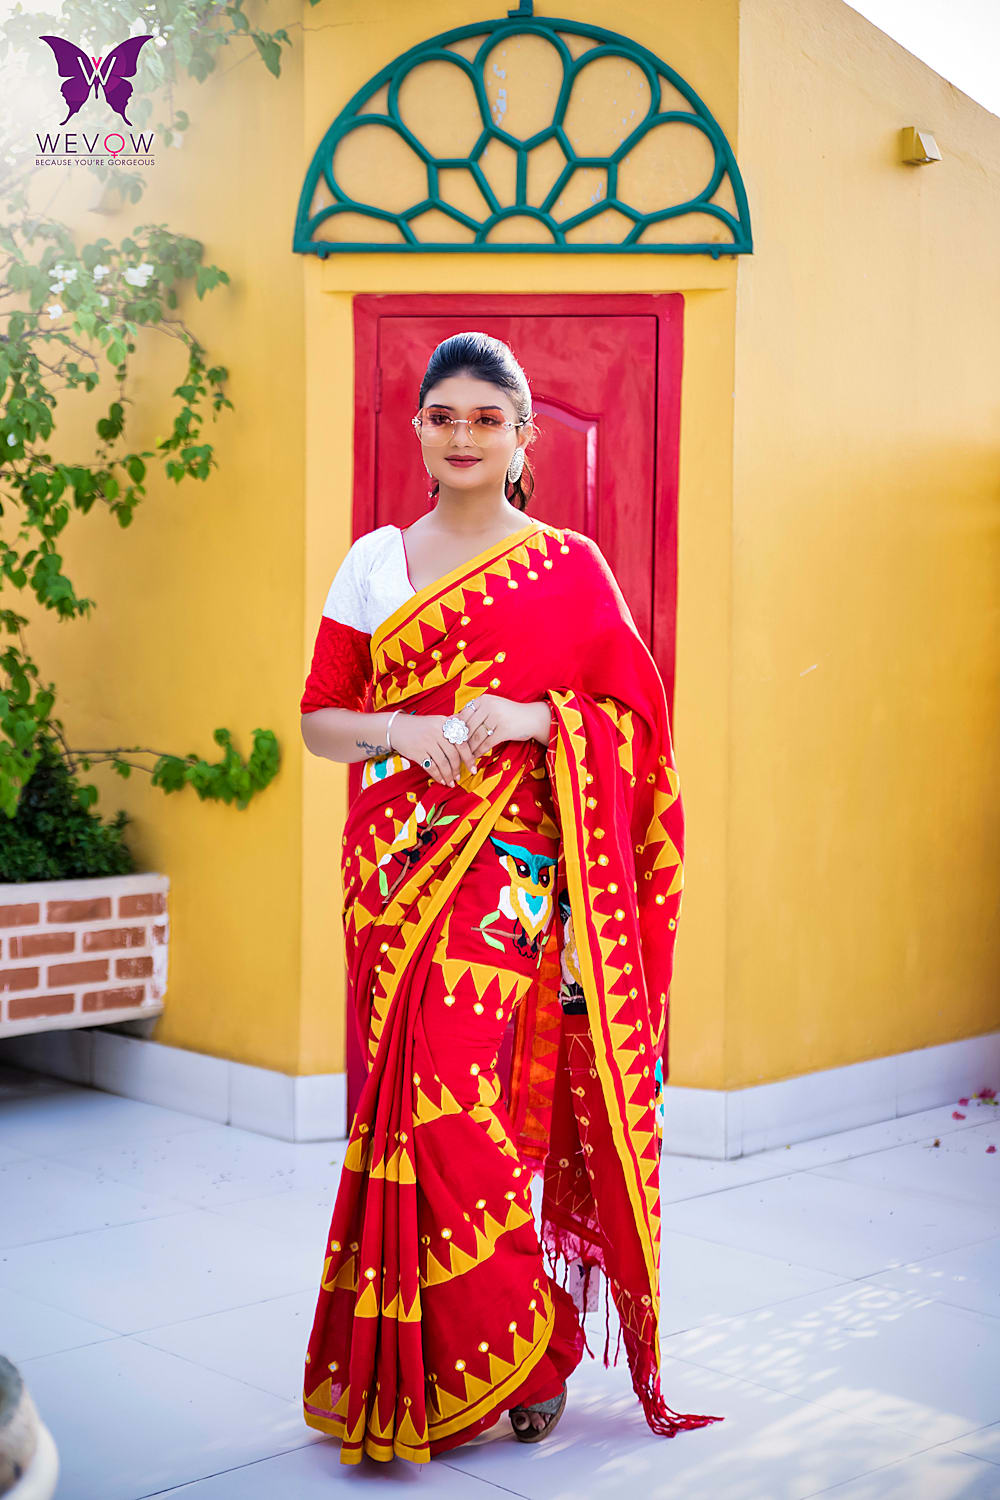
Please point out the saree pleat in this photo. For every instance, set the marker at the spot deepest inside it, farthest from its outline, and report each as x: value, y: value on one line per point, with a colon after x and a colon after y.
x: 415, y: 1267
x: 502, y: 917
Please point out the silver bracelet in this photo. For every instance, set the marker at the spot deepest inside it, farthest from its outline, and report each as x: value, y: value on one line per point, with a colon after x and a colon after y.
x: 389, y: 726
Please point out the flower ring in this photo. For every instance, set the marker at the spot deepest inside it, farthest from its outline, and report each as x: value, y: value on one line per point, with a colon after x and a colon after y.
x: 455, y: 730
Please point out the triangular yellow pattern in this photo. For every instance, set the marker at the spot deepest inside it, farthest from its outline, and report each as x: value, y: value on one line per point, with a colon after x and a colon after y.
x: 392, y: 1309
x: 459, y: 1408
x: 398, y: 1167
x: 457, y: 1262
x: 492, y: 986
x: 395, y: 960
x: 582, y: 851
x: 409, y: 640
x: 427, y: 1108
x: 347, y: 1275
x: 454, y: 1409
x: 358, y: 1154
x: 367, y: 1304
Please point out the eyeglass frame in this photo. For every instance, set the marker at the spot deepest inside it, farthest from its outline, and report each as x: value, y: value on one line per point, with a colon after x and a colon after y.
x: 505, y: 426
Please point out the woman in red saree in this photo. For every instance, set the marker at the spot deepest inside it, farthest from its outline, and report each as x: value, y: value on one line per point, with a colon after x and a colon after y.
x: 537, y: 884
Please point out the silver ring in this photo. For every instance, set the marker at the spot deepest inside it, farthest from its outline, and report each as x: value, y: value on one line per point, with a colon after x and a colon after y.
x: 455, y: 730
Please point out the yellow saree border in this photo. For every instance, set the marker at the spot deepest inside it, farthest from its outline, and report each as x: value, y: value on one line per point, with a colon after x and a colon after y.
x: 389, y: 1446
x: 578, y: 887
x: 518, y: 1375
x: 422, y: 597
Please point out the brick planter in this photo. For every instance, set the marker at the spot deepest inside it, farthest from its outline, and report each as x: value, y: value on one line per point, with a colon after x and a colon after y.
x: 82, y: 952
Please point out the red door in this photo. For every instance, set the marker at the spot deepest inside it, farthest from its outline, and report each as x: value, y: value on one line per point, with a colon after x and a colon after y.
x: 604, y: 373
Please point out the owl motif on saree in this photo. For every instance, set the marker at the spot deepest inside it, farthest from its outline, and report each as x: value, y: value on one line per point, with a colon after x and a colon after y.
x: 527, y: 900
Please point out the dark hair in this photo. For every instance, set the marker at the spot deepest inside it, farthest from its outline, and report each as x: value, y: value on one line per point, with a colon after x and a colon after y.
x: 487, y: 359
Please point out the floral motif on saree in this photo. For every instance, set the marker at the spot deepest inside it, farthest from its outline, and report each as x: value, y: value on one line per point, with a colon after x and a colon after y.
x: 542, y: 890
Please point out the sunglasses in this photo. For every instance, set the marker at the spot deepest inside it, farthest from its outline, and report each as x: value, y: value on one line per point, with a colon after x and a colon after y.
x: 435, y: 426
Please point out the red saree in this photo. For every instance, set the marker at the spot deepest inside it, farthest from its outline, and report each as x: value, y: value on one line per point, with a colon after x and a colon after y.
x: 545, y: 886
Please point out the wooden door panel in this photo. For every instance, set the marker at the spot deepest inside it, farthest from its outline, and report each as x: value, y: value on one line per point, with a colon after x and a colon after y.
x: 593, y: 383
x: 604, y: 372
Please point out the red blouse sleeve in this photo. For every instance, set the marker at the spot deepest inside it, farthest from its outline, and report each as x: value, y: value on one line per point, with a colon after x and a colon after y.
x: 341, y: 670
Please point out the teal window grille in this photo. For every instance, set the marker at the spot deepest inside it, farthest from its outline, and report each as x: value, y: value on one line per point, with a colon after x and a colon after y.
x: 415, y: 227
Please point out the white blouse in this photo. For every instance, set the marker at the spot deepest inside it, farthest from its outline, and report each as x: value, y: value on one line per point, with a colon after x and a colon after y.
x: 372, y: 581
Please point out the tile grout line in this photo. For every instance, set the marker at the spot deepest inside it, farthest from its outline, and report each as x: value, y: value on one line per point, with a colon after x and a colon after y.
x: 176, y: 1489
x: 831, y: 1489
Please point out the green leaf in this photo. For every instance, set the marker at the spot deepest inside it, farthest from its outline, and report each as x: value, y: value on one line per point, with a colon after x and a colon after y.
x: 269, y: 51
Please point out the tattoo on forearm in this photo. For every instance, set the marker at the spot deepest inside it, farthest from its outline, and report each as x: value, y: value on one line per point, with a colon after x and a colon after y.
x: 372, y: 749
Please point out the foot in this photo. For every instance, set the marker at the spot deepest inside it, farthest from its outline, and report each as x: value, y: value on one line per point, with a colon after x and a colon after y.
x: 525, y: 1417
x: 531, y: 1423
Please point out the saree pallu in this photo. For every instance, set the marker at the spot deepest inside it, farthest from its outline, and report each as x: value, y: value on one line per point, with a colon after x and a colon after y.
x: 542, y: 889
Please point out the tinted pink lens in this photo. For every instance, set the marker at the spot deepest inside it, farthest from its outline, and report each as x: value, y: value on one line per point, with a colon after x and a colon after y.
x: 435, y: 426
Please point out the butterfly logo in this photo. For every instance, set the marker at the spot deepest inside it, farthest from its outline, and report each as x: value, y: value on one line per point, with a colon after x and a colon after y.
x: 83, y: 73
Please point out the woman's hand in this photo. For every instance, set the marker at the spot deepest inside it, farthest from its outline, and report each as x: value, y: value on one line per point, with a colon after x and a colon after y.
x: 420, y: 737
x: 508, y: 719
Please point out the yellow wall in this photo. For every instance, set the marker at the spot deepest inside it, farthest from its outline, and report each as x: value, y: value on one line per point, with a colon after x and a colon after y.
x: 832, y: 698
x: 198, y: 620
x: 861, y: 758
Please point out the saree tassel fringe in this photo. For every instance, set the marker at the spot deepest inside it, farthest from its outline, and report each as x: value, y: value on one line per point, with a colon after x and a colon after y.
x: 660, y: 1417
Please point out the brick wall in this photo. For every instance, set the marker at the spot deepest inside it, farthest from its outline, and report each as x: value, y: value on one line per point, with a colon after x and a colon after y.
x: 82, y: 952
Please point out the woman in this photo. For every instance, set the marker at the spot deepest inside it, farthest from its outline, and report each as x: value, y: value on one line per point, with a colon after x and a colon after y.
x: 515, y: 850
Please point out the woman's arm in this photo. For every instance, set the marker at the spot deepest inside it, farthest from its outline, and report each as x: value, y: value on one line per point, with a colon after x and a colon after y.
x: 341, y: 734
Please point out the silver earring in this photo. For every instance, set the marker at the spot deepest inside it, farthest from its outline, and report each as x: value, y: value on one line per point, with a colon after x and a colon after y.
x: 516, y: 465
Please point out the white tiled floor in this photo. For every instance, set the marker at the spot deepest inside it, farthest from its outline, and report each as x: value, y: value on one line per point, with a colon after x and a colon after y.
x: 836, y: 1301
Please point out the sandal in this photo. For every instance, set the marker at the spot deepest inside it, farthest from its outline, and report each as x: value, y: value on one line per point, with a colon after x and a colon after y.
x: 553, y: 1409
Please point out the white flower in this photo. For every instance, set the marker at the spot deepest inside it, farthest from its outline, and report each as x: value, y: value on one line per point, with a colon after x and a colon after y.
x: 54, y: 311
x: 57, y: 286
x: 178, y: 140
x: 104, y: 300
x: 100, y: 271
x: 11, y: 440
x: 58, y: 270
x: 71, y: 274
x: 139, y: 275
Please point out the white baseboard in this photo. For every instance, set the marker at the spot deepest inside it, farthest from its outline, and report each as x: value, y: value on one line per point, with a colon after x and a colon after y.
x: 713, y: 1123
x: 308, y: 1108
x: 720, y: 1123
